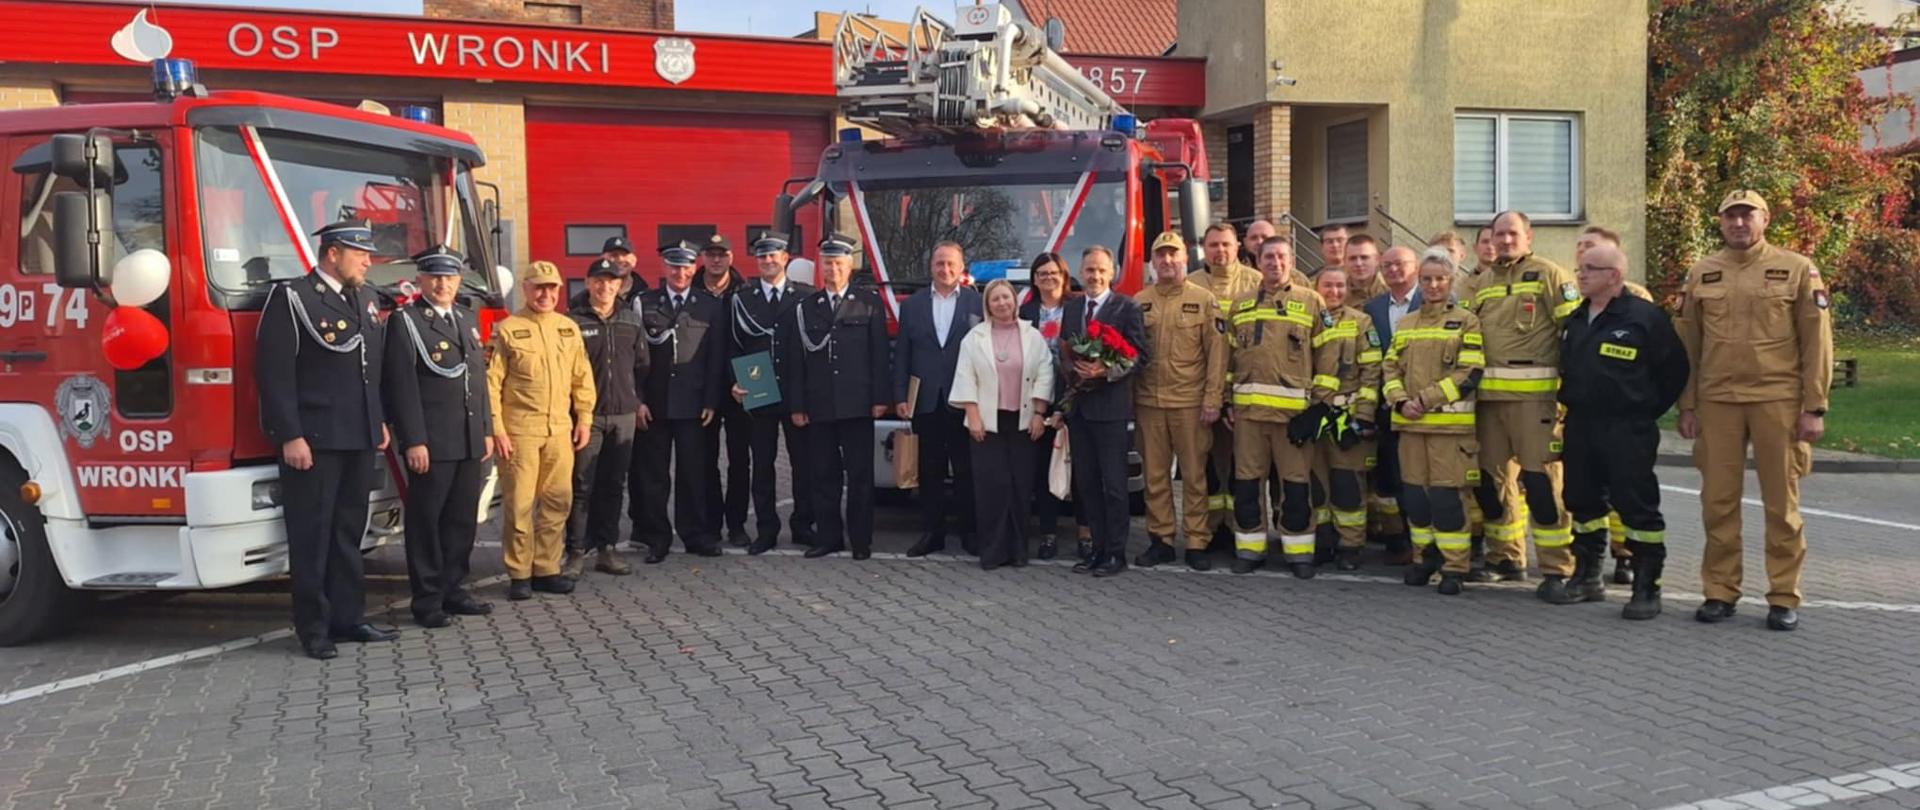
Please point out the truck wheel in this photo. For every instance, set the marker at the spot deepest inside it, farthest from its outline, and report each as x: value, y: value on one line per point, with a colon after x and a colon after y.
x: 34, y: 602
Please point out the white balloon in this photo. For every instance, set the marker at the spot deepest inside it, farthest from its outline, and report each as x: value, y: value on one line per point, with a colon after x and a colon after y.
x: 800, y: 270
x: 503, y: 277
x: 141, y: 277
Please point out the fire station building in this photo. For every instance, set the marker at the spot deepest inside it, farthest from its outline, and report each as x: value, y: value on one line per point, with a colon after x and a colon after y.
x: 598, y: 118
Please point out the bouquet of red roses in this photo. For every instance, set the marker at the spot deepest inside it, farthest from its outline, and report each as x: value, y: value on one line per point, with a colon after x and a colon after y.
x: 1099, y: 343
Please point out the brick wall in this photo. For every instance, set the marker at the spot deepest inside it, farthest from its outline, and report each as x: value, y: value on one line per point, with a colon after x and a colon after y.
x: 1213, y: 136
x: 648, y: 14
x: 498, y: 123
x: 27, y: 94
x: 1272, y: 161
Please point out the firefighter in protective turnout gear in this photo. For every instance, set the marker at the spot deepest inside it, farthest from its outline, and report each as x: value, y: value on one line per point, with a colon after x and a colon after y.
x: 1350, y: 382
x: 1273, y: 336
x: 1177, y: 402
x: 1622, y: 366
x: 1227, y: 279
x: 1431, y: 371
x: 1760, y: 340
x: 1521, y: 302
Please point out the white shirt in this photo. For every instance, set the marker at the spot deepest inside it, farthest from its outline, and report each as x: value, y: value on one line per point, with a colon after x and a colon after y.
x: 1397, y: 308
x: 767, y: 290
x: 444, y: 312
x: 1095, y: 302
x: 678, y: 299
x: 943, y: 306
x: 332, y: 283
x: 834, y: 297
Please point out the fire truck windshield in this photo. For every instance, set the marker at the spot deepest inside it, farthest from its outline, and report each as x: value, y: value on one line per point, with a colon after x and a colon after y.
x: 998, y: 221
x: 413, y: 201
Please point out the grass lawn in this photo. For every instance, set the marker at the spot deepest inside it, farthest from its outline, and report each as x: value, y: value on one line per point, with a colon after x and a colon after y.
x: 1882, y: 415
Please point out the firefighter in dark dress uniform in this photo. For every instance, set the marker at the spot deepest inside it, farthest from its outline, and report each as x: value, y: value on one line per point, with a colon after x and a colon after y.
x: 436, y: 399
x: 686, y: 339
x: 836, y: 381
x: 318, y: 368
x: 758, y: 306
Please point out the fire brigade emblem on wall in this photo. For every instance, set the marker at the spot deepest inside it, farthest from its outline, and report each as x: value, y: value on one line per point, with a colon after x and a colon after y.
x: 82, y: 402
x: 673, y: 59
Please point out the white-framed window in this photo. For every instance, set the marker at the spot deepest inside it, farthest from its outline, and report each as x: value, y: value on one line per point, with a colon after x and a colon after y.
x: 1346, y: 177
x: 1528, y: 162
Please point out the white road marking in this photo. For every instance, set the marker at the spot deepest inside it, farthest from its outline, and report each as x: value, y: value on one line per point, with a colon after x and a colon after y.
x: 1807, y: 510
x: 196, y: 654
x: 1815, y: 792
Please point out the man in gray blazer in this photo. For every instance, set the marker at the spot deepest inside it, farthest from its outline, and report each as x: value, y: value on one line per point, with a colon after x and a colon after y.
x: 932, y: 323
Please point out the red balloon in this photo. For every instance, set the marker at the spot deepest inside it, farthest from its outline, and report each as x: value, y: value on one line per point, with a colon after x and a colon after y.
x: 132, y: 337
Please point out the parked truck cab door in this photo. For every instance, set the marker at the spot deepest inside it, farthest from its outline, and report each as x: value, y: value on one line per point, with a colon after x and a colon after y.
x: 120, y: 429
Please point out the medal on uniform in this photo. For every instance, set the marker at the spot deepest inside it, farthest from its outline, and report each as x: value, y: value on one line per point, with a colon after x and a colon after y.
x: 436, y: 357
x: 443, y: 345
x: 340, y: 325
x: 328, y: 336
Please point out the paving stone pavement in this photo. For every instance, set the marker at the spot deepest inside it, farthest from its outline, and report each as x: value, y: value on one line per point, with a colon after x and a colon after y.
x: 780, y: 682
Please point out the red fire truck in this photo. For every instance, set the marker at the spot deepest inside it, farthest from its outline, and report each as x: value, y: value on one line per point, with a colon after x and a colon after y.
x: 159, y: 477
x: 999, y: 144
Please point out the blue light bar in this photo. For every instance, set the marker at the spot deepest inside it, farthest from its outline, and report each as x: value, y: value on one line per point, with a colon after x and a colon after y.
x: 850, y: 135
x: 173, y: 78
x: 418, y: 113
x: 1126, y: 124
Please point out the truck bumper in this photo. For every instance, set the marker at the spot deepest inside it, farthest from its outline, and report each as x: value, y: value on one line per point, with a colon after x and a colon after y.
x: 229, y: 537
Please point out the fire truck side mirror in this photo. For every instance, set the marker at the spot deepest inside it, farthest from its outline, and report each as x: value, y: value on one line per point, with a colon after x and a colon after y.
x: 80, y: 257
x: 1195, y: 210
x: 75, y: 157
x: 783, y: 213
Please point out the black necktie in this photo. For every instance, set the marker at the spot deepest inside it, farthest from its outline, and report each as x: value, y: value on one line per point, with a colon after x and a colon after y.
x: 1090, y: 306
x: 675, y: 299
x: 833, y: 301
x: 773, y: 296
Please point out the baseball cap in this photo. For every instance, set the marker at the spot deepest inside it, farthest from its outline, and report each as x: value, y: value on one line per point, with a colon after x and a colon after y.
x: 717, y: 242
x: 542, y: 273
x: 1747, y: 197
x: 1168, y: 239
x: 602, y: 267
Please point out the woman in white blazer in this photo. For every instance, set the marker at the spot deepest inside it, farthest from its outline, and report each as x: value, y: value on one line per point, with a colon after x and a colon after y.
x: 1003, y: 381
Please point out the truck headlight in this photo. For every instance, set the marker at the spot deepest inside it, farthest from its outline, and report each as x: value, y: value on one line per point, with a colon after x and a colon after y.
x: 266, y: 494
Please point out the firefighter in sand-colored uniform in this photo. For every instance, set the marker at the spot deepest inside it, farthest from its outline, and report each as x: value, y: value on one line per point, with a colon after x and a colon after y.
x: 1350, y: 382
x: 1227, y: 279
x: 1760, y: 340
x: 1521, y: 301
x: 540, y: 386
x: 1273, y: 416
x: 1178, y: 401
x: 1431, y: 371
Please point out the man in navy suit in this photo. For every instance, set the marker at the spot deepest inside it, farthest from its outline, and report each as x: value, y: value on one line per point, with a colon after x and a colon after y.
x: 932, y: 323
x: 1400, y: 269
x: 1097, y: 423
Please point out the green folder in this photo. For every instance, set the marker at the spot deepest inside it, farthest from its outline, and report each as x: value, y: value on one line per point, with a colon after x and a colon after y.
x: 754, y: 372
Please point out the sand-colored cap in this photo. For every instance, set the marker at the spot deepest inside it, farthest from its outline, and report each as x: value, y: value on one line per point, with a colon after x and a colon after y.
x: 1168, y: 239
x: 542, y: 273
x: 1746, y: 196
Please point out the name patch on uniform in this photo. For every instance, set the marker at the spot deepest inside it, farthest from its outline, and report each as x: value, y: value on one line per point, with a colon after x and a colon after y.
x: 1296, y: 306
x: 523, y: 333
x: 1530, y: 275
x: 1618, y: 352
x: 1189, y: 307
x: 1779, y: 274
x: 1452, y: 325
x: 566, y: 331
x: 1712, y: 277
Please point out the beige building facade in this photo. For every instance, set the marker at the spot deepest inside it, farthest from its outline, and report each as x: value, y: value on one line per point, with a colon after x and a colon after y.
x: 1402, y: 118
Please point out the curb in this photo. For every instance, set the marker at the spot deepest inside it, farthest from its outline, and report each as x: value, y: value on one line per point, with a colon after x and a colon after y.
x: 1822, y: 465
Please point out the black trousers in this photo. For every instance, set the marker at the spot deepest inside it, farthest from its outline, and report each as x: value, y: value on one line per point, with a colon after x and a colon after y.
x: 1100, y: 482
x: 767, y: 429
x: 671, y: 456
x: 599, y: 483
x: 943, y: 448
x: 326, y: 515
x: 1046, y: 508
x: 841, y: 455
x: 443, y: 512
x: 1003, y: 489
x: 1609, y: 464
x: 729, y: 509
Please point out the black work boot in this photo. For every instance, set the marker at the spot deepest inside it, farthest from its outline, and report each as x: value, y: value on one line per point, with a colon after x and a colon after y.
x: 1158, y: 551
x: 1586, y: 585
x: 1348, y: 559
x: 1623, y: 570
x: 1477, y: 563
x: 1509, y: 571
x: 1648, y: 560
x: 1326, y: 539
x: 1420, y: 572
x: 1242, y: 565
x: 1198, y: 560
x: 1450, y: 584
x: 1552, y: 590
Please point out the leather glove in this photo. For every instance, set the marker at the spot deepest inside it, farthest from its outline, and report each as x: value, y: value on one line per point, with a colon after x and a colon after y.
x: 1304, y: 427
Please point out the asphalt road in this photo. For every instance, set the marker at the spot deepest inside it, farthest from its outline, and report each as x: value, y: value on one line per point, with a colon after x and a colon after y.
x: 775, y: 681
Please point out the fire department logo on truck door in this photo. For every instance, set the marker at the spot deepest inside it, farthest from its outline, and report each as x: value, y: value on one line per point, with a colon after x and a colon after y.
x: 673, y: 59
x: 83, y: 404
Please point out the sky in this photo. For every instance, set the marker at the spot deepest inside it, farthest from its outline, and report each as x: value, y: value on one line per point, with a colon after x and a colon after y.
x: 778, y: 18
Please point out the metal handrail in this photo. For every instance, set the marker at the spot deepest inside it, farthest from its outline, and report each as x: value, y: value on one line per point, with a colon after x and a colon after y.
x: 1306, y: 245
x: 1392, y: 223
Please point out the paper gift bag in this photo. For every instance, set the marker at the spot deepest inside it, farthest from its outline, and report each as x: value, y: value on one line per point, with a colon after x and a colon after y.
x: 906, y: 459
x: 1060, y: 467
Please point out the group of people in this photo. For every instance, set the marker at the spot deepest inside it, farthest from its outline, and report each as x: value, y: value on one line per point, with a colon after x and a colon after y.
x: 1394, y: 394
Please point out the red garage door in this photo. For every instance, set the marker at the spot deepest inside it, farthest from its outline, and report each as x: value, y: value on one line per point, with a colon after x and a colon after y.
x: 658, y: 176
